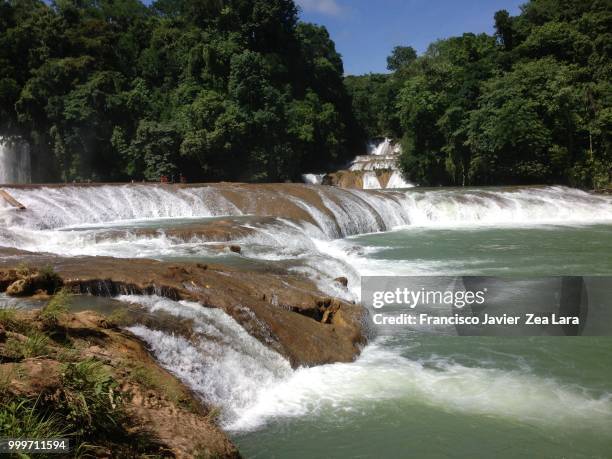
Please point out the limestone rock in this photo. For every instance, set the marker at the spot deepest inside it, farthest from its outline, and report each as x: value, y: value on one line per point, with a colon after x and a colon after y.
x: 342, y: 281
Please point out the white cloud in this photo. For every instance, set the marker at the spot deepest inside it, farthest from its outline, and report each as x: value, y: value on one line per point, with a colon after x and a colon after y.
x: 329, y: 7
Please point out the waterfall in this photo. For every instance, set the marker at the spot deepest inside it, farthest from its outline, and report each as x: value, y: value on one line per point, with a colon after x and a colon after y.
x: 382, y: 147
x: 299, y: 229
x: 252, y: 384
x: 313, y: 179
x: 372, y: 163
x: 14, y: 161
x: 336, y: 212
x: 383, y: 155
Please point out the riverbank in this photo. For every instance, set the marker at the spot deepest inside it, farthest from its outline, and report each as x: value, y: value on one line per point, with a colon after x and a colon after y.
x: 80, y: 376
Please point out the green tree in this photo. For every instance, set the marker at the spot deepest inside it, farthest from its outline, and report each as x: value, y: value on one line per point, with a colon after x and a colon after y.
x: 400, y: 57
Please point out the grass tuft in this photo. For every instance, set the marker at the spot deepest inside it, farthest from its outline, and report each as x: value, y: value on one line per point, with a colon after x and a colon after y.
x: 22, y: 419
x: 35, y: 345
x: 154, y: 380
x: 8, y: 318
x: 56, y: 308
x: 92, y: 403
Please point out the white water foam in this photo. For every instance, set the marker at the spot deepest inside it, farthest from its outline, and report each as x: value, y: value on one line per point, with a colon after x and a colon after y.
x: 59, y: 207
x: 505, y: 207
x: 382, y: 373
x: 51, y: 208
x: 300, y: 245
x: 223, y: 363
x: 382, y: 147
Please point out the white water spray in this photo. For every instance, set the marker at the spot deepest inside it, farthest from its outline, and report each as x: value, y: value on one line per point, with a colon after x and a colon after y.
x: 223, y: 364
x: 339, y: 213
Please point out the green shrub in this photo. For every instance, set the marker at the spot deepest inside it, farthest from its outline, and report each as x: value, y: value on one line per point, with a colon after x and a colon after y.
x: 49, y: 280
x: 35, y: 345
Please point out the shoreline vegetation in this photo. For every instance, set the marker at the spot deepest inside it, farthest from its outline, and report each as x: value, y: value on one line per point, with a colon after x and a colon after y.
x: 244, y: 91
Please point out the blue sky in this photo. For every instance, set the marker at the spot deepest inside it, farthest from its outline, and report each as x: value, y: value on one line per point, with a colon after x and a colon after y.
x: 365, y: 31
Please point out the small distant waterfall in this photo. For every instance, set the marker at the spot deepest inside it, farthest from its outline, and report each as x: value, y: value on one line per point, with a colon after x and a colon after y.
x: 15, y: 164
x: 383, y: 155
x: 313, y: 179
x: 382, y: 148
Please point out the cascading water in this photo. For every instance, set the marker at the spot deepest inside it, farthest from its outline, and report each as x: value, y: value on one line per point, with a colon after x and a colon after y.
x: 335, y: 212
x: 118, y: 221
x: 252, y: 384
x: 220, y: 361
x: 14, y: 161
x: 383, y: 156
x: 372, y: 163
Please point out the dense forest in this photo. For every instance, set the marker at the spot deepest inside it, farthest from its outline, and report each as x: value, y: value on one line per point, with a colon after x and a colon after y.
x: 531, y: 104
x: 211, y: 89
x: 243, y: 90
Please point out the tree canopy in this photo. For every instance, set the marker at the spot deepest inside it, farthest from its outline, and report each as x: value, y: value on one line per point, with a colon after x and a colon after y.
x: 242, y: 90
x: 212, y: 89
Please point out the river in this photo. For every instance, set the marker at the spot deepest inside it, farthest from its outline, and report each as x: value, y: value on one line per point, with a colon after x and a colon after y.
x: 411, y: 395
